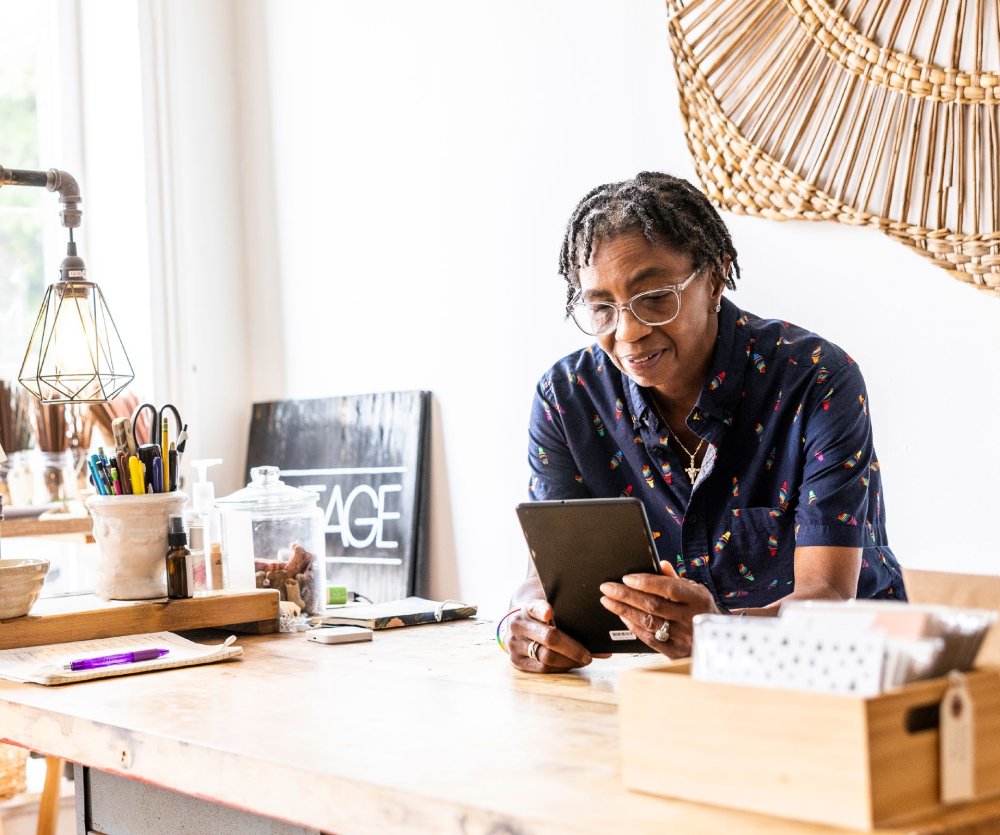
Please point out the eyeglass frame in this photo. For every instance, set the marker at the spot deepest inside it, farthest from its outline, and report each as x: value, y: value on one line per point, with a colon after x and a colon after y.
x: 676, y: 289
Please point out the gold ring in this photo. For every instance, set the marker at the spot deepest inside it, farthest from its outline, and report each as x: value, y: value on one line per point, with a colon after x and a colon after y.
x: 533, y: 650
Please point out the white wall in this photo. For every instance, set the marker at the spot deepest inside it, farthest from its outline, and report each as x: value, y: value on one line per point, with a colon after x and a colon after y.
x: 421, y: 163
x: 194, y: 176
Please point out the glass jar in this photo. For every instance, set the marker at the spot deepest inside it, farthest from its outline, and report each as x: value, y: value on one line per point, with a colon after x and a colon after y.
x: 4, y: 486
x: 79, y: 457
x: 55, y: 480
x: 20, y: 481
x: 289, y: 537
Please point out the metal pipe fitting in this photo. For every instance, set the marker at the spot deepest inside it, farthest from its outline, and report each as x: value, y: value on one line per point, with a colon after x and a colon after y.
x: 54, y: 180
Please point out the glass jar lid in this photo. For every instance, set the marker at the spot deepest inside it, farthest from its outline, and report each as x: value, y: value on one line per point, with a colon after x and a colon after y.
x: 268, y: 494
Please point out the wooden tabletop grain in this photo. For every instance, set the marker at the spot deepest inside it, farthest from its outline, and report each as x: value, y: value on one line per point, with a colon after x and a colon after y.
x: 426, y: 729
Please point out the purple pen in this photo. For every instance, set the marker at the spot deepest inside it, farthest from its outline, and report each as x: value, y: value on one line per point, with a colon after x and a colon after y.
x: 120, y: 658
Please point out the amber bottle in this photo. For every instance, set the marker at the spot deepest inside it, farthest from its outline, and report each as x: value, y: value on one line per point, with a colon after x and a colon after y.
x: 180, y: 582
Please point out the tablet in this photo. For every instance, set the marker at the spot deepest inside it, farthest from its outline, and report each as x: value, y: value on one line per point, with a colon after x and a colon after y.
x: 576, y: 545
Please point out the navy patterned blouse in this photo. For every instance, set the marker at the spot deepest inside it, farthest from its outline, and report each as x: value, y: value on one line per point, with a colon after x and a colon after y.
x: 789, y: 461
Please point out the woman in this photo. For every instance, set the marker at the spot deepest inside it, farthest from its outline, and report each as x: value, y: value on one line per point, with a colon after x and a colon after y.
x: 747, y: 440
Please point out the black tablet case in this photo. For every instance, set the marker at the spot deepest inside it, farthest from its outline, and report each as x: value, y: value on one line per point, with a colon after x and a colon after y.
x: 576, y: 545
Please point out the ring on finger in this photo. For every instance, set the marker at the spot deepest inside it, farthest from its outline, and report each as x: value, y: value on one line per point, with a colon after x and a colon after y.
x: 663, y: 633
x: 533, y: 650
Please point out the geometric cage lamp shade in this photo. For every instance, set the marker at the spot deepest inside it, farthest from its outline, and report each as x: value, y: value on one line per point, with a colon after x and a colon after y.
x: 75, y: 354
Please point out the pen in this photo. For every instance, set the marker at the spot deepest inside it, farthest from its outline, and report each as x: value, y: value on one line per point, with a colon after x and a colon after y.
x: 120, y: 658
x: 165, y: 455
x: 135, y: 473
x: 105, y: 470
x: 97, y: 470
x: 157, y: 475
x: 173, y: 467
x: 115, y: 481
x: 123, y: 475
x: 148, y: 453
x: 96, y: 478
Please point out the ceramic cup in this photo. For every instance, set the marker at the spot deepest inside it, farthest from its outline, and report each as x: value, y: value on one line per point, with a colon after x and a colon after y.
x: 131, y: 534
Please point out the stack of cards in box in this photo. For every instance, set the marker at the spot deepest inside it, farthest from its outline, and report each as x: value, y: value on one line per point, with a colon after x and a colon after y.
x: 862, y: 647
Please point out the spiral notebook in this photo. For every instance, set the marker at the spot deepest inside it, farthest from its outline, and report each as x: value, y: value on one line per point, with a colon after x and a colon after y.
x: 47, y: 664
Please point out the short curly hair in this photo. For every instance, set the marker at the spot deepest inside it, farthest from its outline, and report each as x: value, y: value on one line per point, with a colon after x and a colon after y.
x: 666, y: 209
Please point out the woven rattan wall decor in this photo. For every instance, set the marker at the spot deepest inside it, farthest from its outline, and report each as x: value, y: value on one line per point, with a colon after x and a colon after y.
x: 879, y: 113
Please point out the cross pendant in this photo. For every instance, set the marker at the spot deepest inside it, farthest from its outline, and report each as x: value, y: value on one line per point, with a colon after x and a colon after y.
x: 692, y: 471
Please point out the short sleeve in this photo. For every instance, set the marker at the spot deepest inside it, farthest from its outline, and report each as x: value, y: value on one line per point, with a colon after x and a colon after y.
x: 554, y: 474
x: 837, y: 445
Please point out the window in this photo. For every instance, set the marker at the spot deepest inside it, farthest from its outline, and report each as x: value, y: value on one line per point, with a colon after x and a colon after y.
x: 25, y: 44
x: 69, y: 81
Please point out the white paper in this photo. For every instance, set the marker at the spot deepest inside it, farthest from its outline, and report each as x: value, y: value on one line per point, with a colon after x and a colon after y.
x: 47, y: 664
x: 765, y: 652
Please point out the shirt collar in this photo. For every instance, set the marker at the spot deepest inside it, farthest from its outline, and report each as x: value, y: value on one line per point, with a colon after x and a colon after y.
x: 721, y: 393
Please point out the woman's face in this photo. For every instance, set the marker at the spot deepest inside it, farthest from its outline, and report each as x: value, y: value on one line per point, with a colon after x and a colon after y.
x: 674, y: 357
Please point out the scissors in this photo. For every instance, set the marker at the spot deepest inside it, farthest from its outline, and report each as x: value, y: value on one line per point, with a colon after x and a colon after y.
x: 157, y: 422
x: 169, y: 455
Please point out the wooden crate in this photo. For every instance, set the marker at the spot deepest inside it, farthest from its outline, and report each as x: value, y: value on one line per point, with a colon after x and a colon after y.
x: 841, y: 760
x: 82, y: 617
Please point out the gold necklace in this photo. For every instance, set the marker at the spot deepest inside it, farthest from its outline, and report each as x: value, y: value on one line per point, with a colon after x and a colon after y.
x: 693, y: 470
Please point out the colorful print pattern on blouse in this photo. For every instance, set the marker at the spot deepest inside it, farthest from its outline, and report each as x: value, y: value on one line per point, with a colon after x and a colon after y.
x: 790, y: 459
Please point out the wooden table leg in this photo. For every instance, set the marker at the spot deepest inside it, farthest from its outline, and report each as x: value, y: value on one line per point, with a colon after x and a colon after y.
x: 48, y: 806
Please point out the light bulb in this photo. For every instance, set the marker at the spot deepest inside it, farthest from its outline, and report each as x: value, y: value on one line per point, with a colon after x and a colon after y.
x: 73, y: 343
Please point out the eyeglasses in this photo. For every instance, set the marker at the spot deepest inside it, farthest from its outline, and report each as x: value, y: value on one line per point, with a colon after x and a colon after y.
x: 654, y: 307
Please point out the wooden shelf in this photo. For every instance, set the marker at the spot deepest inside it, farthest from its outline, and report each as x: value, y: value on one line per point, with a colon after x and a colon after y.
x: 82, y: 617
x: 46, y: 526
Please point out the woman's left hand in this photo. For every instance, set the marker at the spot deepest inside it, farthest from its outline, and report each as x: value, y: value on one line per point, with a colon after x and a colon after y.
x: 659, y: 609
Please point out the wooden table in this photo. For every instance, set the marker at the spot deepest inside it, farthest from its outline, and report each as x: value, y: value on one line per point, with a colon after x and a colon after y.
x: 426, y: 730
x: 48, y: 525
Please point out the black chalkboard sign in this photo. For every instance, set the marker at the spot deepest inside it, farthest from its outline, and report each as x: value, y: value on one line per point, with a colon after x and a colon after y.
x: 366, y: 457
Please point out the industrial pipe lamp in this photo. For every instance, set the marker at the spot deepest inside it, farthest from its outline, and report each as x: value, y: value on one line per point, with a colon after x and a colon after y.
x: 75, y: 354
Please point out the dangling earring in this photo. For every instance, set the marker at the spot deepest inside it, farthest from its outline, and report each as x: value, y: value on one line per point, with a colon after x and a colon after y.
x: 718, y: 307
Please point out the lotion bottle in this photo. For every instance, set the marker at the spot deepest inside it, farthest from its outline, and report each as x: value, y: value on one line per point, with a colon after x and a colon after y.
x: 197, y: 520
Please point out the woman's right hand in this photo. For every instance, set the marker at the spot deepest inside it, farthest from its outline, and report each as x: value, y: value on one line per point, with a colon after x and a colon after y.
x: 532, y: 633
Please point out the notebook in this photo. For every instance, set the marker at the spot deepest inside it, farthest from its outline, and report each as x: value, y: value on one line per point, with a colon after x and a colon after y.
x: 409, y: 611
x: 46, y: 664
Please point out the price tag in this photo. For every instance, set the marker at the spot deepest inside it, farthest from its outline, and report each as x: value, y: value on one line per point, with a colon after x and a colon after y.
x: 958, y: 764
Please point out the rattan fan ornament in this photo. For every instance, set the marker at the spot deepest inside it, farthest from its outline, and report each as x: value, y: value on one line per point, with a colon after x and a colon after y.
x: 823, y: 110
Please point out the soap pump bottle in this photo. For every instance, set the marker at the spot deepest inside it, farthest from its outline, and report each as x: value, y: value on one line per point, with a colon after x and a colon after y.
x: 203, y: 492
x: 197, y: 520
x: 180, y: 582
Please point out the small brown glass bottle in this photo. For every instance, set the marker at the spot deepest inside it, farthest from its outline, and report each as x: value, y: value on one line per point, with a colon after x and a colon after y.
x: 180, y: 583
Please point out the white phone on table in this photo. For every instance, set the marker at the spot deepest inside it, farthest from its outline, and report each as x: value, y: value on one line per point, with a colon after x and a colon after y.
x: 342, y: 634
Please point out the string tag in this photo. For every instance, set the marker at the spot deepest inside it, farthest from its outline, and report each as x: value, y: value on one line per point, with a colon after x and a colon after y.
x: 957, y: 748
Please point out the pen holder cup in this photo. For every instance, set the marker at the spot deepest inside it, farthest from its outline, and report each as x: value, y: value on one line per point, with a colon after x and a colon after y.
x: 131, y: 534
